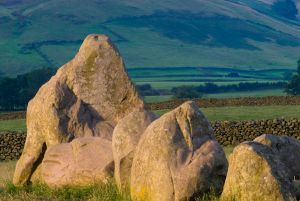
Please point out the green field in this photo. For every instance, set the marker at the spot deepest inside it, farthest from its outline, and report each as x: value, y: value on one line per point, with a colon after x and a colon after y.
x: 35, y: 33
x: 13, y: 125
x: 247, y: 113
x: 213, y: 114
x: 258, y: 93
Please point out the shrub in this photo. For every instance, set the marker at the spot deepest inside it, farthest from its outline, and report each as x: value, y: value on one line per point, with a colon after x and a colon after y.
x: 188, y: 92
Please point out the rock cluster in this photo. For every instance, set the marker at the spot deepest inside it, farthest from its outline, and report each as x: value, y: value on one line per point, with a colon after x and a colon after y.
x: 88, y: 125
x: 86, y: 97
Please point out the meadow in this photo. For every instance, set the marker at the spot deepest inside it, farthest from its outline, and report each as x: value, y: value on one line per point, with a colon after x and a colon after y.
x: 242, y: 113
x: 38, y: 34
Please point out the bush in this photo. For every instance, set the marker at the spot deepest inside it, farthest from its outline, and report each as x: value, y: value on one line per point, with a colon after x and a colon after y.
x: 186, y: 92
x: 293, y: 87
x: 147, y: 90
x: 15, y: 93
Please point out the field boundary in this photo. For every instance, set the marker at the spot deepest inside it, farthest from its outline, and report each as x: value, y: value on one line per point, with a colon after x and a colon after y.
x: 227, y: 133
x: 217, y: 102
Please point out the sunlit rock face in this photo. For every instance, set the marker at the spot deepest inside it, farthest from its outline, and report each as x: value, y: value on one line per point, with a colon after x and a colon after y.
x: 86, y: 97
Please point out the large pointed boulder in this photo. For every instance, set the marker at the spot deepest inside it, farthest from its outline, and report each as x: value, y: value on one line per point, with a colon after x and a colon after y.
x: 126, y: 136
x: 87, y: 97
x: 177, y: 158
x: 256, y: 173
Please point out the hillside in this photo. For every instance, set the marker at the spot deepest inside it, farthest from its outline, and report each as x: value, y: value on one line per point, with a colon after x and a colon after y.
x: 244, y: 34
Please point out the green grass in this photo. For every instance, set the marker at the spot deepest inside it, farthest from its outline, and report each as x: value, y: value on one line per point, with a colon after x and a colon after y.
x: 247, y: 112
x: 155, y: 99
x: 260, y: 93
x: 13, y: 125
x: 102, y: 192
x: 214, y: 114
x: 148, y: 41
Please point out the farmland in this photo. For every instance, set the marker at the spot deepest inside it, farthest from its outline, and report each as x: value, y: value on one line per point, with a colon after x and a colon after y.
x: 37, y: 34
x: 213, y: 114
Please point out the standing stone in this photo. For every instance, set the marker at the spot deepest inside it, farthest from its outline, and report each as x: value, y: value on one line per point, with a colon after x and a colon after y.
x: 256, y: 173
x: 126, y: 136
x: 83, y: 162
x: 177, y: 158
x: 287, y: 149
x: 87, y: 97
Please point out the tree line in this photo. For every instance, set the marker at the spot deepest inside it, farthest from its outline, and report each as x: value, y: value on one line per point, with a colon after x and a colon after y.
x: 15, y: 93
x: 209, y: 88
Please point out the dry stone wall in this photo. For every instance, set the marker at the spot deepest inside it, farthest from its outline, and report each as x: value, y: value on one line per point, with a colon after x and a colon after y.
x: 11, y: 145
x: 245, y: 101
x: 235, y: 132
x: 226, y: 132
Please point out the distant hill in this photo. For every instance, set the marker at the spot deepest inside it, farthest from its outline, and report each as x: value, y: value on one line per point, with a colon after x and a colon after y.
x: 246, y: 34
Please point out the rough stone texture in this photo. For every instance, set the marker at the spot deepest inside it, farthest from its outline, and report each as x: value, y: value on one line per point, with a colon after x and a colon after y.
x: 84, y: 161
x: 256, y: 173
x: 287, y: 149
x: 11, y: 145
x: 87, y: 97
x: 177, y: 158
x: 126, y: 136
x: 235, y: 132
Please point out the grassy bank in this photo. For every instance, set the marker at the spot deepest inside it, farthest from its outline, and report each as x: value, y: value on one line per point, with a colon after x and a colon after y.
x: 13, y: 125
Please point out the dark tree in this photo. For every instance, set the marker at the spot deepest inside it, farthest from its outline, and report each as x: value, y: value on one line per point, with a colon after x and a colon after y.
x: 293, y: 87
x: 186, y: 92
x: 147, y: 90
x: 288, y: 75
x: 285, y: 8
x: 16, y: 92
x: 299, y: 67
x: 8, y: 94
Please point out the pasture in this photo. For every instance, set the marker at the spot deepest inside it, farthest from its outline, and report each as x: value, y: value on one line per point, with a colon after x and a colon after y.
x: 213, y: 114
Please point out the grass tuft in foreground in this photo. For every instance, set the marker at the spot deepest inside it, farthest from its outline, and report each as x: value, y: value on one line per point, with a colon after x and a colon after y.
x: 103, y: 192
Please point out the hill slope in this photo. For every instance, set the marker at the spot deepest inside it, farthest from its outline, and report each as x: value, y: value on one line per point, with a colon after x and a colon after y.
x: 227, y: 33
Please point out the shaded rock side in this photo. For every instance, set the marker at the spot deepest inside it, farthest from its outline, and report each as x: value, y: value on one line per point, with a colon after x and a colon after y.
x: 255, y: 173
x: 287, y: 149
x: 87, y: 97
x: 126, y: 136
x: 177, y: 158
x: 83, y: 162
